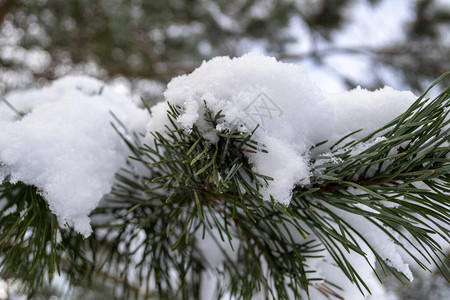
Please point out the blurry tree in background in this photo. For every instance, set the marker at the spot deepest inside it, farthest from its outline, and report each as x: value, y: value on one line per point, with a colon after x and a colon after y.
x: 149, y: 42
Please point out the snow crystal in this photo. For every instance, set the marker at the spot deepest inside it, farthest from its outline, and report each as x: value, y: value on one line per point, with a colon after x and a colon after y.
x: 293, y: 113
x: 65, y: 144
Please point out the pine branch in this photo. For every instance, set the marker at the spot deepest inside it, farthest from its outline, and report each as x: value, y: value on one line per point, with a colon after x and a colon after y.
x: 149, y: 231
x: 413, y: 150
x: 31, y: 241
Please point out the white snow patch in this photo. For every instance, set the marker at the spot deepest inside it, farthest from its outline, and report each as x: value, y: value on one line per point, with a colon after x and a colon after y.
x: 378, y: 239
x: 65, y: 144
x: 293, y: 113
x: 368, y: 110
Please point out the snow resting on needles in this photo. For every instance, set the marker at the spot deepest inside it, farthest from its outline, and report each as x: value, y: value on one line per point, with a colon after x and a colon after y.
x: 65, y: 144
x: 66, y: 147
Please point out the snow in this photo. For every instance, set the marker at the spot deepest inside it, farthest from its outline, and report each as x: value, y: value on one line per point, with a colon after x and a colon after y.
x: 215, y: 251
x: 368, y: 25
x: 293, y: 113
x: 378, y: 239
x: 239, y: 87
x: 65, y: 144
x: 382, y: 22
x: 369, y: 110
x: 329, y: 270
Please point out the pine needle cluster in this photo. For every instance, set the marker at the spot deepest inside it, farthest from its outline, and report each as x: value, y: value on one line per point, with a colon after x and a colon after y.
x: 148, y: 233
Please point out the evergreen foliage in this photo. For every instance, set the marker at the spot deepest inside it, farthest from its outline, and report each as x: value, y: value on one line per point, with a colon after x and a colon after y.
x: 148, y: 232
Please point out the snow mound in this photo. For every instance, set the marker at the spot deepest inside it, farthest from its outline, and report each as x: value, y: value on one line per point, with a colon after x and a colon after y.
x: 369, y: 110
x: 293, y: 113
x: 66, y: 147
x: 65, y: 144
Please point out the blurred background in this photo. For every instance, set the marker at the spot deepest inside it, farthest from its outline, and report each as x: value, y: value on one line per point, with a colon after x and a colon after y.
x: 138, y: 46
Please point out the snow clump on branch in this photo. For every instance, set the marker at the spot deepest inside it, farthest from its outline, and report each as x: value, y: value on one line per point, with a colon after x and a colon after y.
x: 66, y: 147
